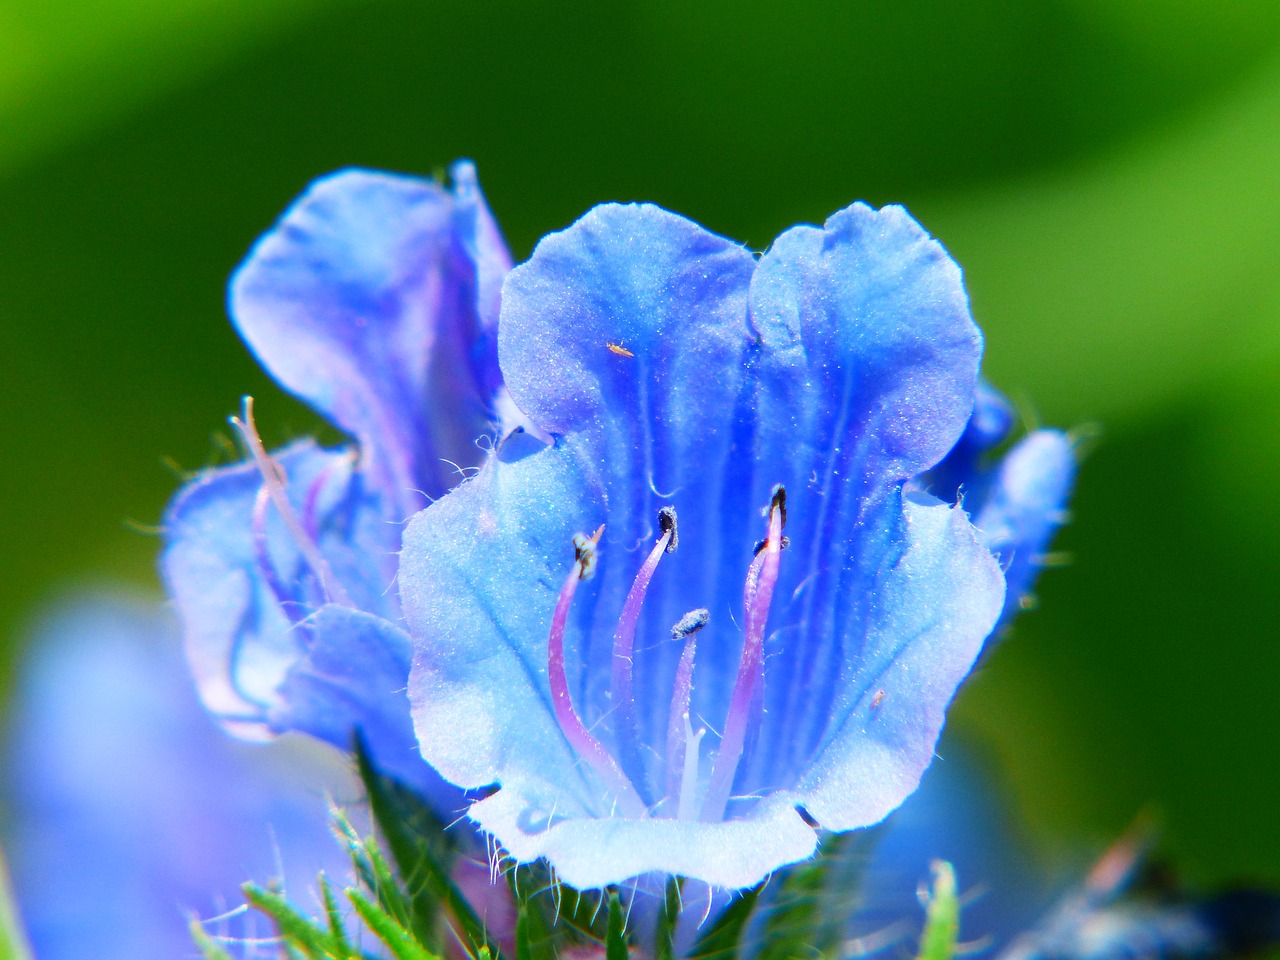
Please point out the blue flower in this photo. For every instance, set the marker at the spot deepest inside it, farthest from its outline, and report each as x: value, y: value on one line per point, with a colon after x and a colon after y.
x: 375, y: 300
x: 128, y: 809
x: 1017, y: 502
x: 720, y: 609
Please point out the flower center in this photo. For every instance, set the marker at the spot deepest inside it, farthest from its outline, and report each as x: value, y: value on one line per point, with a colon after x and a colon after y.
x: 682, y: 742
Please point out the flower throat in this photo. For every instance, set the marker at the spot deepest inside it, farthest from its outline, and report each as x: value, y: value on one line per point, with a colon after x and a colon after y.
x: 682, y: 741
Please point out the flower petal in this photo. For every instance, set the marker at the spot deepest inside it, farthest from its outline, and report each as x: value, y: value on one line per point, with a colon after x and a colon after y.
x: 631, y: 276
x: 353, y: 676
x: 374, y: 299
x: 869, y: 366
x: 478, y: 580
x: 593, y: 853
x: 930, y: 616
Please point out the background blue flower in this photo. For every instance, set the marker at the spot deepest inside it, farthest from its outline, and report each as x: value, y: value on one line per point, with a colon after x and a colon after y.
x: 375, y: 299
x: 130, y: 810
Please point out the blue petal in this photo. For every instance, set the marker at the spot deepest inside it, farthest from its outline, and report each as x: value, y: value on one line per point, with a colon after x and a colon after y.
x: 869, y: 369
x: 1024, y: 505
x: 374, y: 299
x: 932, y: 611
x: 353, y: 676
x: 244, y: 617
x: 594, y: 853
x: 662, y: 359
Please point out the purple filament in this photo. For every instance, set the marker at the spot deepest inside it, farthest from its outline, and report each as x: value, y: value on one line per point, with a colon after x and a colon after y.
x: 579, y: 737
x: 622, y: 691
x: 757, y: 596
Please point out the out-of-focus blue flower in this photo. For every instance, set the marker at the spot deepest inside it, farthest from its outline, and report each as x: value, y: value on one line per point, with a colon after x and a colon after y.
x: 1019, y: 500
x: 700, y: 719
x: 1117, y: 913
x: 129, y: 809
x: 374, y: 299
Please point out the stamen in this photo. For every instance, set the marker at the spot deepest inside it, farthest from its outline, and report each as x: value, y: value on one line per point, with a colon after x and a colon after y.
x: 678, y: 729
x: 622, y: 689
x: 757, y: 596
x: 274, y: 482
x: 579, y: 737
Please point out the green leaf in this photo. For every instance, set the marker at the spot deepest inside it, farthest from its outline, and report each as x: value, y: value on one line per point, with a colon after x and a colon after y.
x: 423, y: 853
x: 942, y: 915
x: 615, y: 937
x: 13, y: 941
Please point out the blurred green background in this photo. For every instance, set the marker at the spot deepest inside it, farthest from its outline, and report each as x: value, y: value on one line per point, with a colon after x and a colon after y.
x: 1107, y: 171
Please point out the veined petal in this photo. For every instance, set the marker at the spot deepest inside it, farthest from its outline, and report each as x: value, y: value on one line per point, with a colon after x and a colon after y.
x: 374, y: 300
x: 478, y: 580
x: 868, y: 375
x: 927, y: 622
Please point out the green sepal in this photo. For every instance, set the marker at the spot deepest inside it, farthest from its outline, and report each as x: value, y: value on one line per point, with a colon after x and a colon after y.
x: 565, y: 913
x: 535, y: 939
x: 664, y: 936
x: 401, y: 942
x: 942, y: 915
x: 337, y: 929
x: 722, y: 941
x: 423, y: 853
x: 209, y: 948
x: 811, y: 902
x: 615, y: 936
x: 297, y: 931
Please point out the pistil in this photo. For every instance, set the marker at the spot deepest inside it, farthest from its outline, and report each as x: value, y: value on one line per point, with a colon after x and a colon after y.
x: 580, y: 738
x: 682, y: 742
